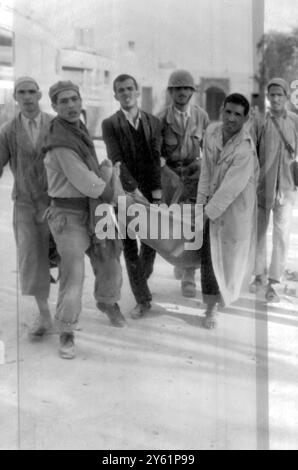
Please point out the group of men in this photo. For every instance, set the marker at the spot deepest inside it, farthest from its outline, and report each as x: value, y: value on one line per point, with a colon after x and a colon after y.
x: 58, y: 182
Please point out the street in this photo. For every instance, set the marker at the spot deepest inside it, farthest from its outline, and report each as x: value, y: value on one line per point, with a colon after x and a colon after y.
x: 162, y: 382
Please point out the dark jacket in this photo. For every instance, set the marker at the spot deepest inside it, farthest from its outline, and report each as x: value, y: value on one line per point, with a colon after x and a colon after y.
x: 137, y: 171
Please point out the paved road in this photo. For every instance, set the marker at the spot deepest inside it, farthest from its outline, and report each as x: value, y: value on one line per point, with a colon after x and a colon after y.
x: 161, y: 383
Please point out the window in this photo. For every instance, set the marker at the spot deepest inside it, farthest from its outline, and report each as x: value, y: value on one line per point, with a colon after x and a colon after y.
x: 74, y: 74
x: 107, y: 76
x: 6, y: 47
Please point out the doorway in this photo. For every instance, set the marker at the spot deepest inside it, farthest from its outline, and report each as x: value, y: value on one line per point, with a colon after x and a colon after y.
x: 214, y: 100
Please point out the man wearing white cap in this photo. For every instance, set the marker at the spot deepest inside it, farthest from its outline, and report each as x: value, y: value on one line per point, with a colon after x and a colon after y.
x: 276, y: 140
x: 21, y: 142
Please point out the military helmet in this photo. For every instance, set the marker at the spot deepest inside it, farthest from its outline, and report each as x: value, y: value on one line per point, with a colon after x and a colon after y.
x: 181, y: 78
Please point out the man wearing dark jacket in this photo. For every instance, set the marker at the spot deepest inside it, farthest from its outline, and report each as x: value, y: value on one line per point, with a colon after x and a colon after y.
x: 132, y: 137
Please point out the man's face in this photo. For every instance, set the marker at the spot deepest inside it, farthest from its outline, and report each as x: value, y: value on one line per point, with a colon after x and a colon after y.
x: 68, y: 106
x: 27, y: 96
x: 233, y: 118
x: 181, y: 95
x: 127, y: 94
x: 277, y: 98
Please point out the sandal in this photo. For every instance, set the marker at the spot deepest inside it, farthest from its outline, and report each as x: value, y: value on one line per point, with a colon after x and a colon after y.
x: 291, y: 275
x: 271, y: 295
x: 257, y: 285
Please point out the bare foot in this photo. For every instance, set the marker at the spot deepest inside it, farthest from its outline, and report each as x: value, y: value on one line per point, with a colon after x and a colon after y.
x: 209, y: 321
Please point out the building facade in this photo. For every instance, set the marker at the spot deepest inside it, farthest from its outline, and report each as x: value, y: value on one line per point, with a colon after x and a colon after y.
x: 92, y: 42
x: 6, y: 63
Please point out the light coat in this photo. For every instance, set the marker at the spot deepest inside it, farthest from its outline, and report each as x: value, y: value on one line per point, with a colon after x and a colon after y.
x: 31, y: 200
x: 227, y: 189
x: 25, y: 160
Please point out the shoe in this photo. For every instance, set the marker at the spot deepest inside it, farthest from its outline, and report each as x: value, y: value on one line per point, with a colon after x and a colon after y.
x: 291, y: 275
x: 113, y: 313
x: 188, y: 290
x: 271, y: 295
x: 140, y: 310
x: 40, y: 327
x: 67, y: 346
x: 257, y: 285
x: 178, y: 273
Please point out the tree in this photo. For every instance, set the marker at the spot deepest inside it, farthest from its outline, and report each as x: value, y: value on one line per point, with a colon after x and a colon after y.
x: 279, y: 57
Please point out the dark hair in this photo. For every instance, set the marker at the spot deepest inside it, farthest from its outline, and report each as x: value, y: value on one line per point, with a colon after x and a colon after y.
x: 236, y: 98
x: 122, y: 78
x: 54, y: 99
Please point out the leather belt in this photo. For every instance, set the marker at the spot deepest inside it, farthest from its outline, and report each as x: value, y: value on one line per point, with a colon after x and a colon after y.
x: 74, y: 203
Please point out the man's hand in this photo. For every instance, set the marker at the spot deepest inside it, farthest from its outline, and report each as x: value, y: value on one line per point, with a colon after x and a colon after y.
x: 162, y: 162
x: 117, y: 169
x: 193, y: 170
x: 156, y: 201
x: 106, y: 170
x: 156, y: 197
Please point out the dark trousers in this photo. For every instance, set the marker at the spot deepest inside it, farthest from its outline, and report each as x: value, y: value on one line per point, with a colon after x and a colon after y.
x: 210, y: 289
x: 139, y: 268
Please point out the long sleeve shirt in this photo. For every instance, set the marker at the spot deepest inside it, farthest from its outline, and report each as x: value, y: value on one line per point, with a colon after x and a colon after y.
x: 69, y: 177
x: 276, y: 178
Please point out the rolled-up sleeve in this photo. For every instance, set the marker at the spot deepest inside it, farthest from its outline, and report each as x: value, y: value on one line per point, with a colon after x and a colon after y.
x: 78, y: 174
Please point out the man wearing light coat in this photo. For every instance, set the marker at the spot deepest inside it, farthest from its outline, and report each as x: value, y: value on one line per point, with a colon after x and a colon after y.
x: 227, y: 189
x: 21, y: 142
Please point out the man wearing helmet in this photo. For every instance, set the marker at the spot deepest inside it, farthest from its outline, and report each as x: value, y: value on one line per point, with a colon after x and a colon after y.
x: 183, y: 127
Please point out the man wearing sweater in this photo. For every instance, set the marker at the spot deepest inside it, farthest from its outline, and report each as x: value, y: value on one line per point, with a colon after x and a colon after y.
x: 132, y: 137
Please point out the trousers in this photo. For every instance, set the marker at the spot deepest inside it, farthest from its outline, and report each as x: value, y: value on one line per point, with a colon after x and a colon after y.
x: 210, y: 290
x: 282, y: 217
x: 32, y: 239
x: 139, y: 267
x: 72, y: 237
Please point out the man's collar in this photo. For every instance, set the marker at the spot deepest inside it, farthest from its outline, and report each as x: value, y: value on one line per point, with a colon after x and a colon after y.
x: 242, y: 133
x: 37, y: 118
x: 283, y: 115
x: 186, y: 112
x: 128, y: 116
